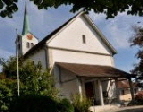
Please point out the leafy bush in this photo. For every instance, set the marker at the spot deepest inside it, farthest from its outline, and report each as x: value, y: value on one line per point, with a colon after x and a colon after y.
x: 33, y: 80
x: 7, y: 92
x: 139, y: 97
x: 65, y: 106
x: 81, y: 104
x: 39, y: 103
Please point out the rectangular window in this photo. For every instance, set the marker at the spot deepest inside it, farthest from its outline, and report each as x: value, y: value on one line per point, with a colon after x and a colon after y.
x: 83, y: 39
x: 27, y: 45
x: 122, y: 92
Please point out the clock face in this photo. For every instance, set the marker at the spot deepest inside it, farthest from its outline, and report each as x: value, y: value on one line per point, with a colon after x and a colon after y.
x: 29, y: 37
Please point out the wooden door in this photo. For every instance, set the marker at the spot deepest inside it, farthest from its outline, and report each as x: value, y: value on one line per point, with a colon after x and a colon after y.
x: 89, y: 89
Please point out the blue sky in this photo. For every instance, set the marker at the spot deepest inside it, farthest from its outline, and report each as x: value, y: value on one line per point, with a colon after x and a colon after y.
x: 42, y: 22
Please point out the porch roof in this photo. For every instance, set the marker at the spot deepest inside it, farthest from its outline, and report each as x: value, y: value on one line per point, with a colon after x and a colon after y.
x: 94, y: 71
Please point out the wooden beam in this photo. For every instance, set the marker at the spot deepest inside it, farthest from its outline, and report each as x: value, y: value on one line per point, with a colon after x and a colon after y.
x: 117, y: 90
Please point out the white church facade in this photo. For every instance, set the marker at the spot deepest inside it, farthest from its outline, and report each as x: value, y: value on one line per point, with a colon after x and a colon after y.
x: 80, y: 57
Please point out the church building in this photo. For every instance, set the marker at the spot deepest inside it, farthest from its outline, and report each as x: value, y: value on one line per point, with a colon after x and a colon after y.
x: 79, y: 56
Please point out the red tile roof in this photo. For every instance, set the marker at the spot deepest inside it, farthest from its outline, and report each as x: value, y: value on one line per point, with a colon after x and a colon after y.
x: 123, y: 84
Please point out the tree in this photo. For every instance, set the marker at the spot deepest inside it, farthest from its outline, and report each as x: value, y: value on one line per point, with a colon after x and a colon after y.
x: 109, y: 7
x: 37, y: 89
x: 9, y: 67
x: 7, y: 92
x: 33, y: 79
x: 7, y: 7
x: 137, y: 40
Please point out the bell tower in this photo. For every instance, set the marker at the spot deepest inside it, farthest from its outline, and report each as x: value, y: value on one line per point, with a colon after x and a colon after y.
x: 26, y: 40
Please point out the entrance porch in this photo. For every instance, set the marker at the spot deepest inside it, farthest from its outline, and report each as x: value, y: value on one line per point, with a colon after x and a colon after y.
x: 100, y: 83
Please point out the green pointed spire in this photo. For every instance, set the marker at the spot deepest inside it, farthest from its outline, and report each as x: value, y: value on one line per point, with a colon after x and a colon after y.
x: 26, y: 26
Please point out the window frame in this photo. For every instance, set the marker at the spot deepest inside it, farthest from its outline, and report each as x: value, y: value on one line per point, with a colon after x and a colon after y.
x: 83, y: 39
x: 27, y: 45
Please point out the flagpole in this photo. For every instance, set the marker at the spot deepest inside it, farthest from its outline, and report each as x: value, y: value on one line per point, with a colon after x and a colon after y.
x: 17, y: 60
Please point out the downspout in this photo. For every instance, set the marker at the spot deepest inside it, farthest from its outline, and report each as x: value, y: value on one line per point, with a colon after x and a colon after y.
x: 60, y: 77
x: 46, y: 56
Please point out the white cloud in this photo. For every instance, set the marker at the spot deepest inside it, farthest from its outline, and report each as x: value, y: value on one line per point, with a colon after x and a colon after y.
x: 118, y: 30
x: 5, y: 54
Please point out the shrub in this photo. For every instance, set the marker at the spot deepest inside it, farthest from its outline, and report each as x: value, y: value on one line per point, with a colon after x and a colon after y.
x: 33, y: 80
x: 81, y: 104
x: 33, y: 103
x: 139, y: 97
x: 39, y: 103
x: 65, y: 106
x: 7, y: 92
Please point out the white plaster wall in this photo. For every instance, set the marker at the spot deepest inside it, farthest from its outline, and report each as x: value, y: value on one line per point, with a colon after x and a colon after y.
x: 25, y: 40
x: 39, y: 56
x: 80, y: 57
x: 67, y: 89
x: 66, y: 75
x: 71, y: 38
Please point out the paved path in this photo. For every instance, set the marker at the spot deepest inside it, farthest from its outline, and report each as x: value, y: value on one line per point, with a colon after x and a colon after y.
x: 129, y: 109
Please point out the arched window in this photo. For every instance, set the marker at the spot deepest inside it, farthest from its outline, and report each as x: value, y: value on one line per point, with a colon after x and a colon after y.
x: 32, y: 44
x: 27, y: 45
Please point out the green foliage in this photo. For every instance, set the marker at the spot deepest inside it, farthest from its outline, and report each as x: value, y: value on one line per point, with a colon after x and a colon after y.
x: 9, y: 67
x: 40, y: 103
x: 139, y: 97
x: 8, y: 7
x: 110, y: 7
x: 33, y: 79
x: 7, y: 92
x: 65, y: 106
x: 36, y: 80
x: 137, y: 40
x: 37, y: 89
x: 81, y: 104
x: 33, y: 103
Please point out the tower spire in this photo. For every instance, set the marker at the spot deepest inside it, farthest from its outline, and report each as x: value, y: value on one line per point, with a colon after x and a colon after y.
x: 26, y: 26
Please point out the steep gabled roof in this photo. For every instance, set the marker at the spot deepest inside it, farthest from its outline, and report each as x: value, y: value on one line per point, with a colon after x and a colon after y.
x: 104, y: 39
x: 56, y: 31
